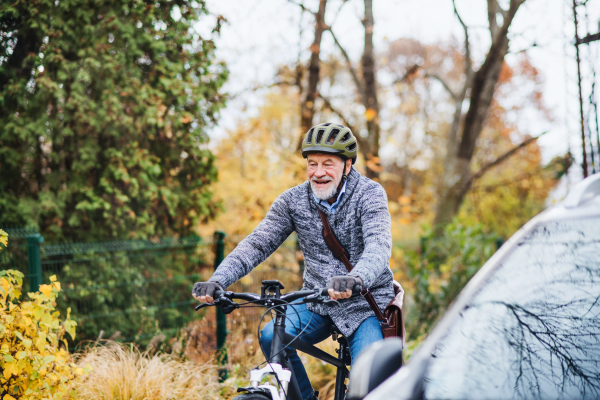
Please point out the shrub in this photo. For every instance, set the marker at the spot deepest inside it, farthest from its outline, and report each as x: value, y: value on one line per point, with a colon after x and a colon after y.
x: 34, y: 359
x: 442, y: 268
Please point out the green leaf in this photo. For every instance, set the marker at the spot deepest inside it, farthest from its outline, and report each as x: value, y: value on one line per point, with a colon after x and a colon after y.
x: 49, y: 359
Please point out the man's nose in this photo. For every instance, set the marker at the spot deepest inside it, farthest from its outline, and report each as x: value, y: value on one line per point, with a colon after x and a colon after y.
x: 320, y: 172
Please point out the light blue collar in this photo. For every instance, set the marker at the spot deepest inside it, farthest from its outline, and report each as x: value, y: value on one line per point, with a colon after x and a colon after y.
x: 331, y: 208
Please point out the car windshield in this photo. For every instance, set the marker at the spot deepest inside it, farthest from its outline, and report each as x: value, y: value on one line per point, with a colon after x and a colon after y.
x: 533, y: 330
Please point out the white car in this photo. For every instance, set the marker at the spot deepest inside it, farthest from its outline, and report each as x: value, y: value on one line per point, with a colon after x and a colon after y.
x: 527, y: 326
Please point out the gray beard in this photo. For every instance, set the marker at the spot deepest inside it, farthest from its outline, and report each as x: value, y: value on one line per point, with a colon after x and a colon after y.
x: 324, y: 194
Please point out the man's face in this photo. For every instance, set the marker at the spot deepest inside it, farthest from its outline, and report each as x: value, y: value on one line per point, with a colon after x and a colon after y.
x: 325, y: 173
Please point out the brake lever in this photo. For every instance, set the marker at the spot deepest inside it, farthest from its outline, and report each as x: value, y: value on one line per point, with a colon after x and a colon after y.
x: 199, y: 306
x: 227, y: 305
x: 329, y: 300
x: 318, y: 298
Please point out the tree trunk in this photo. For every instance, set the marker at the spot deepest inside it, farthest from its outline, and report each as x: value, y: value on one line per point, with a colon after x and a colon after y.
x: 369, y: 96
x: 457, y: 171
x: 307, y: 109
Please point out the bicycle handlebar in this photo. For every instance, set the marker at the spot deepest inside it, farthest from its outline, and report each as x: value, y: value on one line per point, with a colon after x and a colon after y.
x: 257, y: 299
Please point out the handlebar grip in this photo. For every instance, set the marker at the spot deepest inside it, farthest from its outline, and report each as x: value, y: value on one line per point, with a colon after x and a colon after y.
x: 218, y: 293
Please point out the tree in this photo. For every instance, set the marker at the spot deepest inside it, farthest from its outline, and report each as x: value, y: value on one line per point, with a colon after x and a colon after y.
x: 307, y: 110
x: 257, y: 163
x: 478, y: 88
x: 367, y: 94
x: 365, y: 85
x: 503, y: 197
x: 103, y: 107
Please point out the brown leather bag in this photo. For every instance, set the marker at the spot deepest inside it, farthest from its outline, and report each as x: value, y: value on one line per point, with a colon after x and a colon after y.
x: 392, y: 318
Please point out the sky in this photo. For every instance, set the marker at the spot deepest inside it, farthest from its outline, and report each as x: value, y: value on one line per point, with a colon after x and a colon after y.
x: 262, y: 34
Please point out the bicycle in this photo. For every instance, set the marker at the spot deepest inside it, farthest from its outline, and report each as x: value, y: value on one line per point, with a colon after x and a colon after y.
x: 278, y: 364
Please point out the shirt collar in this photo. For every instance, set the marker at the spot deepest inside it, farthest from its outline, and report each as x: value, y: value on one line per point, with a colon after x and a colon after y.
x: 333, y: 206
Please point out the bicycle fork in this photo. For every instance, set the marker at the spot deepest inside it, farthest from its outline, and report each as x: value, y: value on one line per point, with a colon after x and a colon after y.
x: 289, y: 385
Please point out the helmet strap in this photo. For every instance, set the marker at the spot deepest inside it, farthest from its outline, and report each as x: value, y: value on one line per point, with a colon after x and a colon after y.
x: 343, y: 180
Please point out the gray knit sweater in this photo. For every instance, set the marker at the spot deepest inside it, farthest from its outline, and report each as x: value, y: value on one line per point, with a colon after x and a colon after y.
x: 362, y: 225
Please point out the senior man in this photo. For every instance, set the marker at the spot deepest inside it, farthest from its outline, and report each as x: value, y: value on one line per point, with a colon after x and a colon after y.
x: 357, y: 210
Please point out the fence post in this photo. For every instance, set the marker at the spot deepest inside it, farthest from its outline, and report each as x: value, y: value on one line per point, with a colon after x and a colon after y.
x: 499, y: 242
x: 35, y: 261
x: 221, y: 320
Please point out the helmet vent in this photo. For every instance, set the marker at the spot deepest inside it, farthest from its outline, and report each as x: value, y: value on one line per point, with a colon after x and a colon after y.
x: 332, y: 136
x: 327, y: 124
x: 320, y: 133
x: 345, y: 138
x: 351, y: 147
x: 309, y: 136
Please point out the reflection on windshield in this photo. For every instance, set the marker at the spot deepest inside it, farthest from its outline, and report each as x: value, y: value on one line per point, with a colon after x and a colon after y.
x: 533, y: 331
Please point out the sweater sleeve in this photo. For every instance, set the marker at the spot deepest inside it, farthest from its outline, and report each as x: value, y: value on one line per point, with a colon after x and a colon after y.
x: 256, y: 247
x: 377, y: 235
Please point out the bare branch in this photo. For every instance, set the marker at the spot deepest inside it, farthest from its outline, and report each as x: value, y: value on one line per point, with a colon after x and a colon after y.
x: 348, y: 63
x: 498, y: 161
x: 253, y: 89
x: 444, y: 84
x: 408, y: 73
x: 337, y: 112
x: 303, y: 7
x: 338, y: 12
x: 468, y: 66
x: 414, y: 69
x: 493, y: 8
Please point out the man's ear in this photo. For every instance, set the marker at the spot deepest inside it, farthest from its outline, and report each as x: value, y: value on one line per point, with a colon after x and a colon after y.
x: 348, y: 165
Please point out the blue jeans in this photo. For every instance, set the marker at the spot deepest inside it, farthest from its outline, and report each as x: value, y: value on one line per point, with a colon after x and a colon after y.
x: 318, y: 329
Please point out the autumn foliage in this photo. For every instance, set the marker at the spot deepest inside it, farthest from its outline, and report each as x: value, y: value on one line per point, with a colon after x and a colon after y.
x: 35, y: 360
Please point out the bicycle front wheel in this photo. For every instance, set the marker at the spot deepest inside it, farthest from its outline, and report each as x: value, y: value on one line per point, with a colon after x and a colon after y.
x: 251, y: 396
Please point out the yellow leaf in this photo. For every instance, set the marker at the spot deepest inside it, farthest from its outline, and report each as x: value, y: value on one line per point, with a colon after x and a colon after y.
x: 405, y: 209
x: 52, y: 278
x: 27, y: 343
x: 10, y: 369
x: 3, y: 237
x: 404, y: 221
x: 404, y: 200
x: 370, y: 114
x: 46, y: 290
x: 21, y: 355
x: 8, y: 397
x: 57, y: 285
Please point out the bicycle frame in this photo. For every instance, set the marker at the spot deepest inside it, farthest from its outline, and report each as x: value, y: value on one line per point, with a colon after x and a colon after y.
x: 279, y: 364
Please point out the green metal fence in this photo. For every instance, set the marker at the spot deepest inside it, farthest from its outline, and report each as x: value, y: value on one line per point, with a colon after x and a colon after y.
x: 136, y: 289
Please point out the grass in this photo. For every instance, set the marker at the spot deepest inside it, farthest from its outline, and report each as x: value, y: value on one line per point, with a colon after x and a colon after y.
x: 188, y: 371
x: 122, y: 372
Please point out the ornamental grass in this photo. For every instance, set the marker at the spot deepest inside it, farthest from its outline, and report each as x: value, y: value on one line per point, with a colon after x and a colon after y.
x: 124, y: 373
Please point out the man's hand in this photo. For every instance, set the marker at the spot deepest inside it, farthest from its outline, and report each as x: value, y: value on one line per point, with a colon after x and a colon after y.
x: 205, y: 291
x: 340, y: 287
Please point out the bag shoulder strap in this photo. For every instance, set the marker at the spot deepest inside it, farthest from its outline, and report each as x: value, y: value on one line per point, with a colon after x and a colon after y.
x: 338, y: 250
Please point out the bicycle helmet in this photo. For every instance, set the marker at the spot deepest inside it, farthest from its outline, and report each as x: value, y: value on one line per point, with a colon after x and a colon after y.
x: 330, y: 138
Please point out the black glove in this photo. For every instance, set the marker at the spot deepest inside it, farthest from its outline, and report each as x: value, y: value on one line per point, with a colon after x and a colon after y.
x: 344, y: 282
x: 206, y: 288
